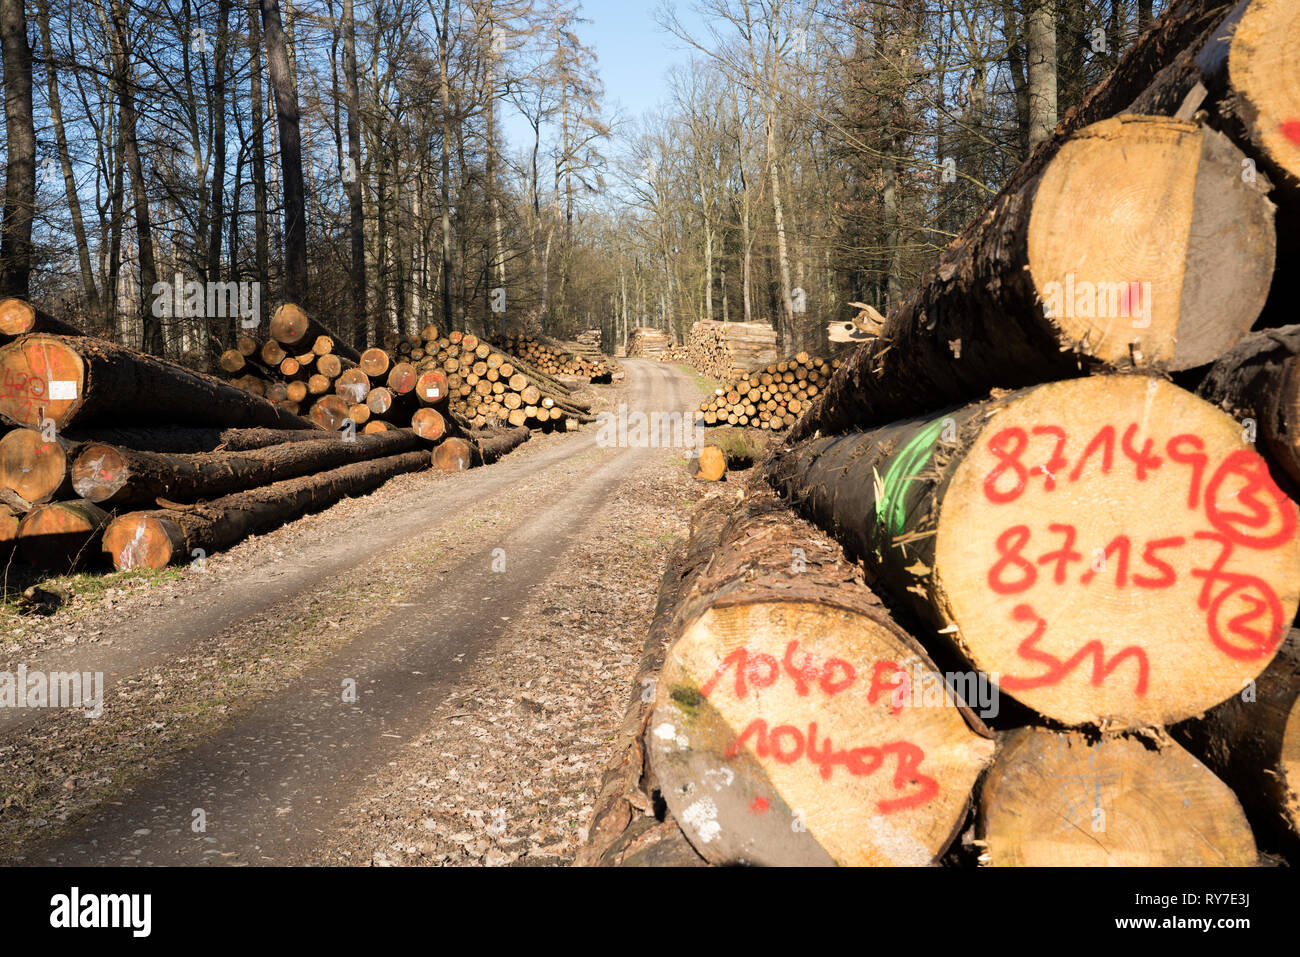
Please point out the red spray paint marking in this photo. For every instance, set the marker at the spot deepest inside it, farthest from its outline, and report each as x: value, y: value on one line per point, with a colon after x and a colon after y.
x: 1291, y: 130
x: 760, y: 805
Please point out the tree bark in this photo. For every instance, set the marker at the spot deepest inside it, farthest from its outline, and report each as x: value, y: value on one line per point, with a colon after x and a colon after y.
x: 116, y: 478
x: 295, y: 201
x: 160, y: 538
x: 84, y: 380
x: 20, y: 167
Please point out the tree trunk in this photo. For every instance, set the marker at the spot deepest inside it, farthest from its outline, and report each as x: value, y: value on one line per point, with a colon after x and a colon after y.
x: 1076, y: 539
x: 117, y: 478
x: 1040, y: 44
x: 151, y: 327
x: 160, y: 538
x: 295, y: 202
x: 261, y: 236
x: 20, y: 168
x: 65, y: 162
x: 84, y: 380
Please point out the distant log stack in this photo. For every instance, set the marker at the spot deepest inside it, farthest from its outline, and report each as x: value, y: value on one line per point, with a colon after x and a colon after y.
x: 722, y: 350
x: 551, y: 359
x: 647, y: 342
x: 772, y: 397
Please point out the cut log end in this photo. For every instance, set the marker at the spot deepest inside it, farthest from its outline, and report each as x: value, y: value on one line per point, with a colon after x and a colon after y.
x: 710, y: 465
x: 1168, y: 266
x: 1113, y: 550
x: 99, y: 472
x: 139, y: 540
x: 776, y: 739
x: 289, y: 324
x: 1054, y: 799
x: 31, y: 467
x: 428, y: 424
x: 452, y: 455
x: 44, y: 378
x: 1265, y: 75
x: 60, y: 535
x: 17, y: 317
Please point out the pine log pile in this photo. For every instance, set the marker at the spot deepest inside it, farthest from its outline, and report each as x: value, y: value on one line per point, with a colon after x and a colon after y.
x: 647, y: 342
x: 721, y: 350
x: 772, y: 397
x: 1065, y: 468
x: 127, y: 455
x: 554, y: 361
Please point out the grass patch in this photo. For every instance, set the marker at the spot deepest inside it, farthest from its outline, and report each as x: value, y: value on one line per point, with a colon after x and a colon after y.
x: 704, y: 383
x: 88, y: 586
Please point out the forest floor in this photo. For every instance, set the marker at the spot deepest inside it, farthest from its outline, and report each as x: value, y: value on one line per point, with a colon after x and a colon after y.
x: 430, y: 674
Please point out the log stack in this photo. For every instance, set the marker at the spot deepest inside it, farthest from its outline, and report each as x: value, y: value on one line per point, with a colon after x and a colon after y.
x: 551, y: 359
x: 721, y: 350
x: 772, y: 397
x: 647, y: 342
x: 1066, y: 467
x: 154, y: 463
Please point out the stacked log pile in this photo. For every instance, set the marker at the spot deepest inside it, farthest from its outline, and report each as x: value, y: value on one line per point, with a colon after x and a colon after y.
x: 647, y: 342
x: 106, y: 448
x: 772, y: 397
x: 490, y: 387
x: 1064, y: 471
x: 549, y: 358
x: 720, y: 350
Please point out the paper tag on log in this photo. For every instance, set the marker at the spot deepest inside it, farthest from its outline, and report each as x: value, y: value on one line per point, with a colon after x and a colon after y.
x: 63, y: 389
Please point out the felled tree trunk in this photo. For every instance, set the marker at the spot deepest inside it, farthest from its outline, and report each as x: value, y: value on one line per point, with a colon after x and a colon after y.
x: 1111, y: 547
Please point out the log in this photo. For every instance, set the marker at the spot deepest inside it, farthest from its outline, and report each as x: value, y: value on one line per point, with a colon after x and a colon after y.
x: 84, y: 380
x: 1167, y: 272
x: 61, y: 535
x: 493, y: 444
x: 272, y: 354
x: 156, y: 539
x: 1057, y: 799
x: 375, y: 363
x: 352, y: 385
x: 34, y: 469
x: 1258, y: 383
x: 778, y: 736
x: 401, y: 378
x: 18, y: 317
x: 318, y: 384
x: 291, y: 326
x: 428, y: 424
x: 453, y: 455
x: 1252, y: 741
x: 119, y: 478
x: 1111, y: 548
x: 330, y: 412
x: 183, y: 440
x: 710, y: 465
x: 431, y: 387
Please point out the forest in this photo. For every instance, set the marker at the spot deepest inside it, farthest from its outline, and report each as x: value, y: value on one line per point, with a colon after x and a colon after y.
x: 175, y: 168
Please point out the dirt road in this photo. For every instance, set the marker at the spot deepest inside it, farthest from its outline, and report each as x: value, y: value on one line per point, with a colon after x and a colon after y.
x: 264, y: 708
